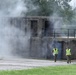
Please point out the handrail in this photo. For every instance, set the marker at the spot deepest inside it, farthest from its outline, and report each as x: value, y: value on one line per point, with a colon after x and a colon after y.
x: 60, y: 32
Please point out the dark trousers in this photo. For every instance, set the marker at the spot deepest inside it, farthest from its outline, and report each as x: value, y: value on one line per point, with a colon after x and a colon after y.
x: 55, y: 57
x: 68, y: 58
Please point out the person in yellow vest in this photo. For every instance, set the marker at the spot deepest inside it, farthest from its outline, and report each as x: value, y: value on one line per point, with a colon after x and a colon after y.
x: 55, y: 53
x: 68, y: 54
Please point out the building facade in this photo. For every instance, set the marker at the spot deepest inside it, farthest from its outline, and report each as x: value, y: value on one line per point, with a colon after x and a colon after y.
x: 43, y: 37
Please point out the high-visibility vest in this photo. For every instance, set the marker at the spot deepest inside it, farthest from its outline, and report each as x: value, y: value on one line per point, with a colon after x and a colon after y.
x: 55, y: 51
x: 68, y: 52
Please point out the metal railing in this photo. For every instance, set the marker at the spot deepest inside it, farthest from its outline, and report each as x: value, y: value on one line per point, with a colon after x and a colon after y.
x: 60, y: 32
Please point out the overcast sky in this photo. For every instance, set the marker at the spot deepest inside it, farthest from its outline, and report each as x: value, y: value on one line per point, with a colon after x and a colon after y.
x: 73, y: 3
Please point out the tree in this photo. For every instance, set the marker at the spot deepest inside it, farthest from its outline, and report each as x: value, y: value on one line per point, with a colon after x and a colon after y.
x: 65, y: 11
x: 42, y: 7
x: 49, y: 7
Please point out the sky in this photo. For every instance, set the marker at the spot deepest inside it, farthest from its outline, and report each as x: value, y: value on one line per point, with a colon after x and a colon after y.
x: 73, y: 4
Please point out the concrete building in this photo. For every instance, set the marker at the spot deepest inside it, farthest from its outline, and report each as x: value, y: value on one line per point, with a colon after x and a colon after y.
x: 44, y: 37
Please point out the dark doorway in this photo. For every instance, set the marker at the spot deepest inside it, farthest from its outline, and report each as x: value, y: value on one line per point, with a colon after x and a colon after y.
x: 34, y: 24
x: 48, y: 28
x: 59, y: 46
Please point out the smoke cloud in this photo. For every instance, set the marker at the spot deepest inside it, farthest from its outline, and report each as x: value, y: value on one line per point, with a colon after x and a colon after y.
x: 14, y: 8
x: 13, y: 40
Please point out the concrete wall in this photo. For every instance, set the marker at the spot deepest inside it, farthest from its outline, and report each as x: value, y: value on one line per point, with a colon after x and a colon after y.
x: 40, y: 48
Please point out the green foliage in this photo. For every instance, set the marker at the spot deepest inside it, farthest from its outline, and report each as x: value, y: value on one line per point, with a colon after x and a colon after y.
x: 43, y: 7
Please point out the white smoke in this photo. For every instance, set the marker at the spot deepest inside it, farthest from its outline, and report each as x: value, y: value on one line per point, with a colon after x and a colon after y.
x: 57, y: 21
x: 59, y: 26
x: 13, y: 8
x: 11, y: 37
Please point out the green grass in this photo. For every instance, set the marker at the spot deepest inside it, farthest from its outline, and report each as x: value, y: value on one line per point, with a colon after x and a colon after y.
x: 57, y: 70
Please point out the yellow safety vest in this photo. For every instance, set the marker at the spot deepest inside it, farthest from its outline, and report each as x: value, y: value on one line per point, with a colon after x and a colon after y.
x: 55, y: 51
x: 68, y: 52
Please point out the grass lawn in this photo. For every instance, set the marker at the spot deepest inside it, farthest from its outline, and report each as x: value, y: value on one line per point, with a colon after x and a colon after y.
x: 56, y: 70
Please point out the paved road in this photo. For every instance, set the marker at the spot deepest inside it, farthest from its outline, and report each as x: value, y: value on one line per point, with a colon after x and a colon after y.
x: 19, y: 64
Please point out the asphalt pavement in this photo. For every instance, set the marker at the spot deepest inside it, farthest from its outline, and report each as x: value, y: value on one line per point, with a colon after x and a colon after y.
x: 20, y: 64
